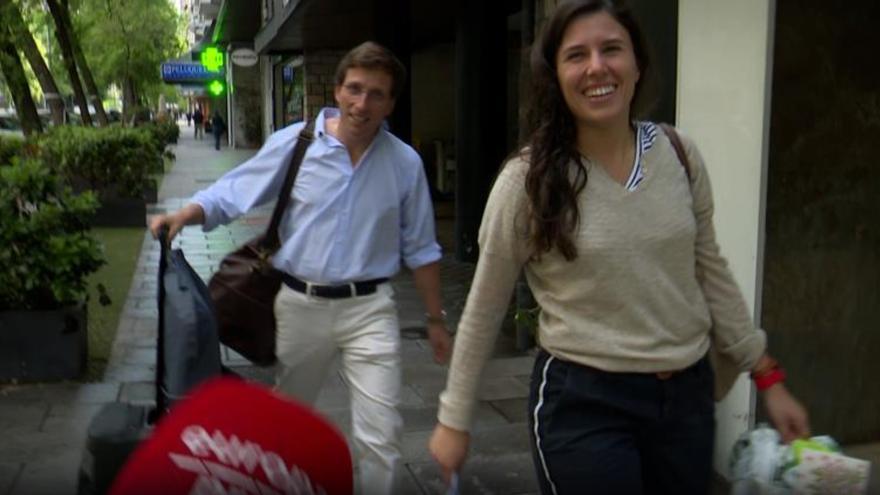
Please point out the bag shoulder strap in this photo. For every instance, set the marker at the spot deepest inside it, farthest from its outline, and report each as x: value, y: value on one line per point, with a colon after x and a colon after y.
x: 306, y: 136
x: 675, y: 139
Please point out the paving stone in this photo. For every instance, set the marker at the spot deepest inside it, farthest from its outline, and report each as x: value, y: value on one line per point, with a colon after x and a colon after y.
x: 67, y: 418
x: 266, y: 376
x: 54, y: 475
x: 139, y: 356
x: 34, y: 446
x: 332, y: 397
x: 502, y: 388
x: 508, y: 474
x: 414, y: 446
x: 499, y: 440
x: 509, y: 366
x: 65, y: 392
x: 138, y: 393
x: 409, y: 397
x: 18, y: 416
x: 513, y: 410
x: 425, y: 418
x: 122, y: 374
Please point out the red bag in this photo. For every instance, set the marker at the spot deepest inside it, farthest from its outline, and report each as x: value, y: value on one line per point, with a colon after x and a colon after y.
x: 231, y: 436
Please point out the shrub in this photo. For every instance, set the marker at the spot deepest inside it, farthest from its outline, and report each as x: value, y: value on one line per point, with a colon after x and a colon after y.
x: 164, y: 132
x: 47, y: 249
x: 104, y: 159
x: 9, y: 147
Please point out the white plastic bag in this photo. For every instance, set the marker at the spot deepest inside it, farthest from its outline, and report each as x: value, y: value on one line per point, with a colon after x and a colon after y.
x: 761, y: 465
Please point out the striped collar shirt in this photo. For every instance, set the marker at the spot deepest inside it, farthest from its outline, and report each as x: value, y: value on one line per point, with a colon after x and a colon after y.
x: 646, y: 134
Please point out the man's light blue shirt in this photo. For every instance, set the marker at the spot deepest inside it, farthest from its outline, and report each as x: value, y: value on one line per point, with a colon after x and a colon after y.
x: 344, y: 223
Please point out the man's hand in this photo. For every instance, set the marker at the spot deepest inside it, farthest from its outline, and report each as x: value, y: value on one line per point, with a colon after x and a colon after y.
x: 788, y: 415
x: 441, y: 341
x: 188, y: 215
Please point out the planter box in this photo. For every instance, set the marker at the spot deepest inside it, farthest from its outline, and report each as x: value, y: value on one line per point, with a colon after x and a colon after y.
x: 121, y: 212
x: 43, y: 345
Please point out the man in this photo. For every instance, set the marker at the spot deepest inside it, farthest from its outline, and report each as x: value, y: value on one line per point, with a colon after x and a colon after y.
x: 198, y: 119
x: 360, y: 205
x: 218, y: 127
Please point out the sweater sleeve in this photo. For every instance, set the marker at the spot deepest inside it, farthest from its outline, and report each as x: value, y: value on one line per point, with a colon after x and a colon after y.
x: 503, y: 251
x: 735, y: 340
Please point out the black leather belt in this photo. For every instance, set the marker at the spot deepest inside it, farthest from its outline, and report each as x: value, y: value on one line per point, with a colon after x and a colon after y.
x: 333, y: 291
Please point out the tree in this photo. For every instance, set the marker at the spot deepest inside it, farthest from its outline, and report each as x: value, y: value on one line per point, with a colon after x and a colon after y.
x: 63, y: 36
x: 83, y: 66
x: 127, y: 41
x: 13, y: 71
x: 19, y: 29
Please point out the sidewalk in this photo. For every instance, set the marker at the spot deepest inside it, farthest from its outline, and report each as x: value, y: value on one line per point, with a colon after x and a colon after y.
x: 43, y: 425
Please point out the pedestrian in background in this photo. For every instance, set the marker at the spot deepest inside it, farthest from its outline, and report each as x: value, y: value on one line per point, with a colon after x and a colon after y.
x: 188, y: 119
x: 218, y: 128
x: 619, y: 248
x: 198, y: 120
x: 360, y: 206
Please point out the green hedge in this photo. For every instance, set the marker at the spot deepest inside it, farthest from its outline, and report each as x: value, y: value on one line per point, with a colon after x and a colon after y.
x: 48, y: 251
x: 109, y: 158
x: 9, y: 147
x: 164, y: 131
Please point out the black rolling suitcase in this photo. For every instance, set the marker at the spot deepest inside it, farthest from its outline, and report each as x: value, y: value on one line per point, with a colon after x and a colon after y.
x: 187, y: 353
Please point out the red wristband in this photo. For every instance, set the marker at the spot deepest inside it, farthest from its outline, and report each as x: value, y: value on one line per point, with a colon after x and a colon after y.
x: 770, y: 378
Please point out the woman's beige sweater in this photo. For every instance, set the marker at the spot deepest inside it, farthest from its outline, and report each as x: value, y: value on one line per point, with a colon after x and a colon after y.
x: 648, y: 292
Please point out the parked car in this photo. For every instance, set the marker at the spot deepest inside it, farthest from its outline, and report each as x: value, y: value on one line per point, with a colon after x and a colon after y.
x: 10, y: 126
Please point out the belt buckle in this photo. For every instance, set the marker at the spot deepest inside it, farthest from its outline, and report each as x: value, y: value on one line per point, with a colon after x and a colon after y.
x: 352, y: 289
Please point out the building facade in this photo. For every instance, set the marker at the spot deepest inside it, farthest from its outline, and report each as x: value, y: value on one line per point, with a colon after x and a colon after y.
x: 461, y: 111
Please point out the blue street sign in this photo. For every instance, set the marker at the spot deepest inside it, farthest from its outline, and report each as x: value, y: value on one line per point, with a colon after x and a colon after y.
x: 177, y: 72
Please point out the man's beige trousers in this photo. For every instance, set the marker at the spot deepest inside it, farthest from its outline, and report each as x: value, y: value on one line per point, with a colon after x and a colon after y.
x: 364, y: 331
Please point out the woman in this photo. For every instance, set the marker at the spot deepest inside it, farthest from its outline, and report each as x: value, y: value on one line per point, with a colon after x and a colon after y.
x: 619, y: 250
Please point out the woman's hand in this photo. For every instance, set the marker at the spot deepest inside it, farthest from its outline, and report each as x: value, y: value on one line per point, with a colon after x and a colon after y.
x: 788, y: 415
x: 449, y: 447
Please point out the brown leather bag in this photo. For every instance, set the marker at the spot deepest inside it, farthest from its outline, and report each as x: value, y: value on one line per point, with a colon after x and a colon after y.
x: 245, y: 285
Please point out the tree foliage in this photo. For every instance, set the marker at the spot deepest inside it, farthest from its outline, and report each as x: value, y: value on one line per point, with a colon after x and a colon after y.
x: 126, y: 40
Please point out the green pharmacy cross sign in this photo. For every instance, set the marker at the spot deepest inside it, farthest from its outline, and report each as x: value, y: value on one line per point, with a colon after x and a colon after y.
x: 216, y: 88
x: 212, y: 59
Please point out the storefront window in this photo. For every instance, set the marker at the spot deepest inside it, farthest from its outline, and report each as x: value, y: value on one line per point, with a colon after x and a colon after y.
x: 292, y: 92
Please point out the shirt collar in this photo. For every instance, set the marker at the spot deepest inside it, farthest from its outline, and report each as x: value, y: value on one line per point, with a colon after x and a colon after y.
x: 320, y: 120
x: 331, y: 112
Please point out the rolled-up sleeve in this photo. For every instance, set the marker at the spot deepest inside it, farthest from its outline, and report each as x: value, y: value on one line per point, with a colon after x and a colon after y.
x: 418, y: 240
x: 734, y: 335
x: 253, y: 183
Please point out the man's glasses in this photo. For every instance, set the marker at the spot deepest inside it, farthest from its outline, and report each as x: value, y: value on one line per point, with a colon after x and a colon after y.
x: 356, y: 90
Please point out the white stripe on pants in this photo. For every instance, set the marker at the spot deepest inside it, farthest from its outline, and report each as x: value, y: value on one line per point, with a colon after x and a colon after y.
x: 364, y: 329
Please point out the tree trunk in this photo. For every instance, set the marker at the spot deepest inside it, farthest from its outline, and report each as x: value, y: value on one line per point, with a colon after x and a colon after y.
x: 129, y: 99
x: 15, y: 21
x: 69, y: 60
x: 93, y: 95
x: 16, y: 81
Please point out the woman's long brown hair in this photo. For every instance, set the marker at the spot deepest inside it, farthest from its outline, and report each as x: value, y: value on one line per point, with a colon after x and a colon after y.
x: 552, y: 184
